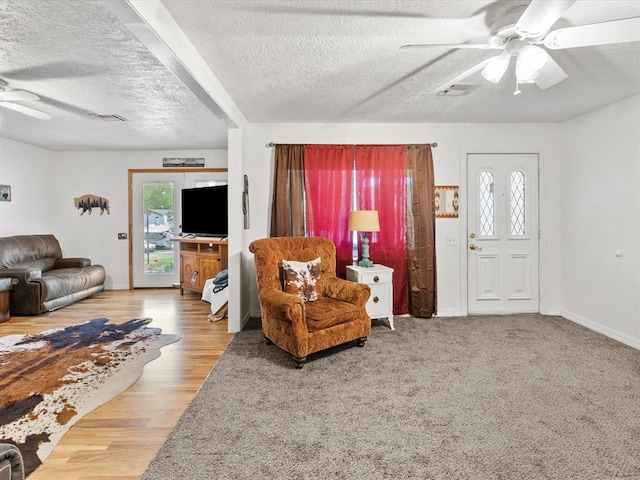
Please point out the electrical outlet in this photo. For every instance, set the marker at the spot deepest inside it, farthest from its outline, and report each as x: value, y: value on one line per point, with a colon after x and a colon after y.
x: 452, y: 240
x: 122, y: 236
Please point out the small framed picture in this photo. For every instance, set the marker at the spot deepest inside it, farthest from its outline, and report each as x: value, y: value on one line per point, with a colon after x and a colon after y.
x: 5, y: 193
x: 446, y: 201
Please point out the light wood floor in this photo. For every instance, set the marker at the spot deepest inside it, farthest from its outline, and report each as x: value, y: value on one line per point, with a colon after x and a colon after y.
x: 119, y: 439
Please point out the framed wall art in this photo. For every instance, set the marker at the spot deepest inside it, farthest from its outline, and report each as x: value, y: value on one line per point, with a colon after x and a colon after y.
x: 183, y: 162
x: 5, y: 193
x: 446, y: 201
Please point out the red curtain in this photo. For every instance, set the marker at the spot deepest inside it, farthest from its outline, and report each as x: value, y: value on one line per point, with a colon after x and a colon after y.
x: 328, y: 174
x: 381, y: 173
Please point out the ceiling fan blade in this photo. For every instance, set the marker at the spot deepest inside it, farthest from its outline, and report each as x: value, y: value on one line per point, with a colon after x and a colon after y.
x: 550, y: 74
x: 474, y: 46
x: 17, y: 95
x: 539, y: 16
x: 26, y: 110
x: 616, y: 31
x: 462, y: 76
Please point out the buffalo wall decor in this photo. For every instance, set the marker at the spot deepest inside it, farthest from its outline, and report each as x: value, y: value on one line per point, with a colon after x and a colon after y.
x: 88, y: 202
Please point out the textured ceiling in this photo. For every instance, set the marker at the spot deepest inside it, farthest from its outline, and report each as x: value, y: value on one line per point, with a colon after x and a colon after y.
x: 80, y: 60
x: 284, y: 61
x: 339, y: 61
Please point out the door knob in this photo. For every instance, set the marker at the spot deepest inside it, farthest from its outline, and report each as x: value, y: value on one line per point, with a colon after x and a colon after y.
x: 473, y: 246
x: 472, y: 235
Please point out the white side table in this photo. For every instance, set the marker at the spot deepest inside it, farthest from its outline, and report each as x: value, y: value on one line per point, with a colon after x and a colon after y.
x: 380, y: 281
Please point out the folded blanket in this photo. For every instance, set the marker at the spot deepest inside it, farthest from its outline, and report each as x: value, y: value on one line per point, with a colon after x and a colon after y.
x: 218, y: 299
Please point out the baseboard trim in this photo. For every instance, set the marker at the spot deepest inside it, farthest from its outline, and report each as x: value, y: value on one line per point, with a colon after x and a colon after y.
x: 449, y: 313
x: 245, y: 320
x: 591, y: 325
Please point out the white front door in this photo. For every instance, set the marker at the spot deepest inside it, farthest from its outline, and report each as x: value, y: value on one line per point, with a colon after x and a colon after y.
x: 502, y: 233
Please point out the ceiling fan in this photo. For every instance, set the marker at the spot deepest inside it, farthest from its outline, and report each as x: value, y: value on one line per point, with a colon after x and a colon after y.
x: 9, y: 97
x: 523, y: 32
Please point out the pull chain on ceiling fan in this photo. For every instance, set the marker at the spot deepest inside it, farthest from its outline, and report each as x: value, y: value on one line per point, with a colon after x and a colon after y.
x: 523, y: 32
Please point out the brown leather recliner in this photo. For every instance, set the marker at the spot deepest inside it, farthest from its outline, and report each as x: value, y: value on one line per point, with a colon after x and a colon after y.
x: 303, y: 327
x: 45, y: 279
x: 11, y: 464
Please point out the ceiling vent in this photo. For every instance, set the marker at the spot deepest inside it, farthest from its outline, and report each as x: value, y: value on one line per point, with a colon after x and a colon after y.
x: 456, y: 90
x: 108, y: 117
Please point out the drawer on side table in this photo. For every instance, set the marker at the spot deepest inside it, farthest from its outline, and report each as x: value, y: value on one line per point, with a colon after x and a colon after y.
x: 379, y: 276
x: 380, y: 281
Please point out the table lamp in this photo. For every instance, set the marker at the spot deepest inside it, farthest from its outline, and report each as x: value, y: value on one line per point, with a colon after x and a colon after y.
x: 364, y: 221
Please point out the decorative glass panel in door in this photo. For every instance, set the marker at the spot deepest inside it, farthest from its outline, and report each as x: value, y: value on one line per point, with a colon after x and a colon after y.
x: 518, y: 217
x: 487, y: 202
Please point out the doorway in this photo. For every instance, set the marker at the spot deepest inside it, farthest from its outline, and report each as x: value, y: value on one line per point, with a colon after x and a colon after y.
x: 502, y: 233
x: 155, y: 218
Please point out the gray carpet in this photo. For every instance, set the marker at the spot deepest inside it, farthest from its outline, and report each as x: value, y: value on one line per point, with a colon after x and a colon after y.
x: 496, y: 397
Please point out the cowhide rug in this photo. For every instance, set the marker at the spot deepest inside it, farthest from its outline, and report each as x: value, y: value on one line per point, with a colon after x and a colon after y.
x: 49, y: 380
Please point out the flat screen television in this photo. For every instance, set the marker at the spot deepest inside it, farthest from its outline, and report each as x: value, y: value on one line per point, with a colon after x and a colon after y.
x: 204, y: 211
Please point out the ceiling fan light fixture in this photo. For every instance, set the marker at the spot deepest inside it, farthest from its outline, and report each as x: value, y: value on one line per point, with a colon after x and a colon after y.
x: 532, y: 57
x: 496, y: 68
x: 529, y: 62
x: 527, y: 77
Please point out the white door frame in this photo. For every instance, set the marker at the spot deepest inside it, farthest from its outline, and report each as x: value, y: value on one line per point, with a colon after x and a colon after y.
x: 463, y: 234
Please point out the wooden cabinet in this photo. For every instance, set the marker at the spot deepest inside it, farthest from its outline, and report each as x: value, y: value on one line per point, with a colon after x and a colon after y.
x: 201, y: 258
x: 380, y: 280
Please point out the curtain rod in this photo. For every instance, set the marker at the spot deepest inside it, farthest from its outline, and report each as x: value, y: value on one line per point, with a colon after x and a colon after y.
x: 272, y: 144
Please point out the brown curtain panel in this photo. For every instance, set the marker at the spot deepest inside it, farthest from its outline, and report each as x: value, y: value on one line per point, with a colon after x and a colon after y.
x: 421, y: 232
x: 287, y: 207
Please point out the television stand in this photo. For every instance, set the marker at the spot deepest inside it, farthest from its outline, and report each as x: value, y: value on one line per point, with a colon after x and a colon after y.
x: 201, y: 258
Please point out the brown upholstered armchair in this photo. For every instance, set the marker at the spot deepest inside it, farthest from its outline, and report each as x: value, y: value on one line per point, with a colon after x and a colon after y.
x: 303, y: 327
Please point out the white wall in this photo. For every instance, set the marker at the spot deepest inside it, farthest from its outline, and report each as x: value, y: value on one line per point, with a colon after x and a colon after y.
x: 44, y: 184
x: 454, y: 142
x: 601, y: 223
x: 28, y: 170
x: 105, y: 174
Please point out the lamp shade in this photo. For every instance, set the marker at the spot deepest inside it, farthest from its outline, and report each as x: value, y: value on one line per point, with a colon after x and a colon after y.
x: 496, y: 68
x: 529, y: 62
x: 364, y: 221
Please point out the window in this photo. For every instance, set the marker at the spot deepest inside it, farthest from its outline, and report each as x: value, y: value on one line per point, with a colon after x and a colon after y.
x: 487, y: 204
x: 517, y: 219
